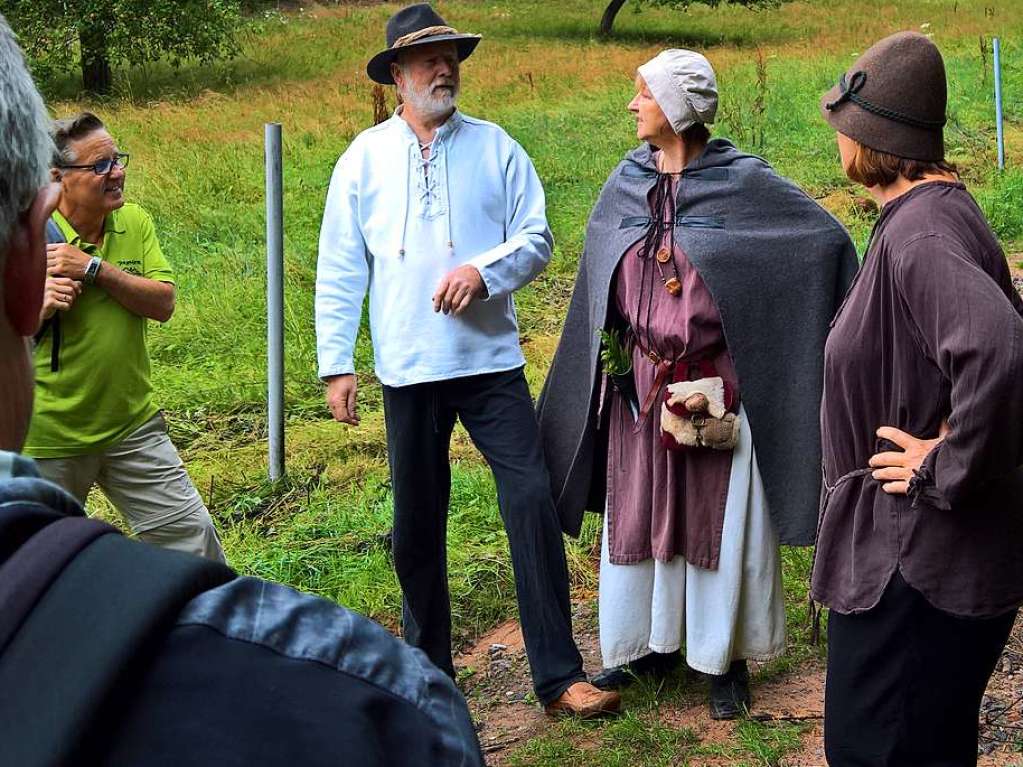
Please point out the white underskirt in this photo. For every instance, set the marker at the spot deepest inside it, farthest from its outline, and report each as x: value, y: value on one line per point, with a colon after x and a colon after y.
x: 734, y: 612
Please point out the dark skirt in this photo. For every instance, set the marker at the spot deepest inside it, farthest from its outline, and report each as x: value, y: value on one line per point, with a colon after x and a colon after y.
x: 905, y: 682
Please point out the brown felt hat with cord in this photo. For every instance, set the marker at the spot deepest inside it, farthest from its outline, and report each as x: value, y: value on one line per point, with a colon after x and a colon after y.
x: 893, y: 99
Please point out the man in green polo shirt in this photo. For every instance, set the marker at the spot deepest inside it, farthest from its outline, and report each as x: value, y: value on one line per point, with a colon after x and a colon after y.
x: 95, y: 421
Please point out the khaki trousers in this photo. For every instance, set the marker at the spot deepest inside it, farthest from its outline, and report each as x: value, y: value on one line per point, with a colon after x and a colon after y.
x: 145, y: 480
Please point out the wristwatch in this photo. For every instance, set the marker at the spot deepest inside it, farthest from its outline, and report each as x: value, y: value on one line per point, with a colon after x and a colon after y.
x: 92, y: 270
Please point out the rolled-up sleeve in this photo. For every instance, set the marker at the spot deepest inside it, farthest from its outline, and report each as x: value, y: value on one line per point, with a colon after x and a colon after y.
x: 528, y: 244
x: 342, y: 272
x: 974, y: 334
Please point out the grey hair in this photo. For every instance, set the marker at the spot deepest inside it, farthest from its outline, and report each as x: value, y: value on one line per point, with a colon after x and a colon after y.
x: 69, y: 130
x: 26, y: 148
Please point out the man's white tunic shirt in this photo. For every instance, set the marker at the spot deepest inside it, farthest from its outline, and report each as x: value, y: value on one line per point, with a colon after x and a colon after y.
x: 396, y: 224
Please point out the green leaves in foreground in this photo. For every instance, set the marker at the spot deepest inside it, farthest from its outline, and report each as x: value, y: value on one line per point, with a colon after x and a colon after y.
x: 614, y: 353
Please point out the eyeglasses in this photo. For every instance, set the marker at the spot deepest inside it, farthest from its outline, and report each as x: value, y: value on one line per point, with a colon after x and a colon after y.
x: 101, y: 167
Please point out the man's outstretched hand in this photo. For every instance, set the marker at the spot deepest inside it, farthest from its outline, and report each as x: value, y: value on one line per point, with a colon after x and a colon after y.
x: 458, y: 290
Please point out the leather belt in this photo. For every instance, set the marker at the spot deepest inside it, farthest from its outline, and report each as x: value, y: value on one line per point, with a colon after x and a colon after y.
x: 664, y: 368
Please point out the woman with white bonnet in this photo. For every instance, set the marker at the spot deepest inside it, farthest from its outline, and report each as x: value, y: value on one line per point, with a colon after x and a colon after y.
x: 683, y: 400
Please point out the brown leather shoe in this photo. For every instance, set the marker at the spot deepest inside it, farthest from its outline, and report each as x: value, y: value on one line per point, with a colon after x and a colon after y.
x: 585, y: 701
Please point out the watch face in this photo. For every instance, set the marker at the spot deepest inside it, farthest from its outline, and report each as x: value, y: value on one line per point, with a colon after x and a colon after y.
x: 92, y: 269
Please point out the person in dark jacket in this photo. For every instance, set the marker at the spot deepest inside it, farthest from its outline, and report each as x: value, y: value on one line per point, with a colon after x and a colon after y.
x: 918, y: 552
x: 720, y: 278
x: 251, y: 673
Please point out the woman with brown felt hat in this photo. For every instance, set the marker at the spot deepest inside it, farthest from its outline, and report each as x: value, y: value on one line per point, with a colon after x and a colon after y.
x: 918, y: 551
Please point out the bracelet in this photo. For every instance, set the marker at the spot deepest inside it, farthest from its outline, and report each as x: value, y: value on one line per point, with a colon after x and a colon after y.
x: 92, y: 270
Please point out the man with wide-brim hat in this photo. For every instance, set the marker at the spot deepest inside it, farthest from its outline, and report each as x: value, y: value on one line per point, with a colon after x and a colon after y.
x: 440, y: 217
x: 412, y: 27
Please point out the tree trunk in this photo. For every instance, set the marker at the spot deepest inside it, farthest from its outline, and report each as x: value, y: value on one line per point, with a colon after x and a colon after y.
x: 380, y: 112
x: 608, y: 19
x: 96, y: 74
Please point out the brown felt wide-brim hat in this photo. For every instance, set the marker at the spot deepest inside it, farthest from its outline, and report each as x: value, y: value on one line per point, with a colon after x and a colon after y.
x: 411, y: 27
x: 893, y: 99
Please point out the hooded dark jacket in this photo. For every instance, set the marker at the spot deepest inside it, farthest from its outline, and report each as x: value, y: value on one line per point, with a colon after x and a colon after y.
x: 252, y: 673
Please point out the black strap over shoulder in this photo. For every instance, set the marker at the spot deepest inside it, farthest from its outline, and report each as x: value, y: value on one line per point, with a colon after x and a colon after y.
x: 29, y: 572
x: 53, y: 235
x: 92, y: 614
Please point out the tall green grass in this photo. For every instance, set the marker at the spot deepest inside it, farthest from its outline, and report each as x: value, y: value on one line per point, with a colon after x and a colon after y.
x: 199, y: 156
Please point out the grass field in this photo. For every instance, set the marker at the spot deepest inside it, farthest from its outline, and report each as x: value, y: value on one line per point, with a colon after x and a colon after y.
x: 195, y: 136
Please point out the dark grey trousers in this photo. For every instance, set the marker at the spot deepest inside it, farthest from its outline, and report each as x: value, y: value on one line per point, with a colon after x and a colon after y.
x: 497, y: 411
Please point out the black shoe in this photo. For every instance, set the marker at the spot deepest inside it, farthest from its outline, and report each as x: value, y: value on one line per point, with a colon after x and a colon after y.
x: 729, y: 692
x: 655, y: 665
x: 613, y: 678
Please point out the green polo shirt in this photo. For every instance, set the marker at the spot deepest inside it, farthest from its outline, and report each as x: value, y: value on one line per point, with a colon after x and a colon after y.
x: 101, y: 391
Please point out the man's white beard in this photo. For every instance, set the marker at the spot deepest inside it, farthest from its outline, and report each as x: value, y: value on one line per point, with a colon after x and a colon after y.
x: 430, y: 104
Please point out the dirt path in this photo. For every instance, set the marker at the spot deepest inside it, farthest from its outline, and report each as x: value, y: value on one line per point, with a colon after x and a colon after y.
x: 498, y: 687
x: 496, y: 680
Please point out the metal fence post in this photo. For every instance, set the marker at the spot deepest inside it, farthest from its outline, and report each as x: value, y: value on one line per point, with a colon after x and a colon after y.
x: 998, y: 103
x: 275, y: 297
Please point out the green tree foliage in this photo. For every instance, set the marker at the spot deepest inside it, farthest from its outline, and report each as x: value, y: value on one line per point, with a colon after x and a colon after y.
x: 97, y: 35
x: 608, y: 19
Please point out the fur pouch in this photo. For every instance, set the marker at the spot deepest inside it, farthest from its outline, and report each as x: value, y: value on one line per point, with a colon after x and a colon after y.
x: 695, y: 414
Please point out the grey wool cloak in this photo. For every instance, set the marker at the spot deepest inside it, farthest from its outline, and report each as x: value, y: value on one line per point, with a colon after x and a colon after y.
x: 777, y: 265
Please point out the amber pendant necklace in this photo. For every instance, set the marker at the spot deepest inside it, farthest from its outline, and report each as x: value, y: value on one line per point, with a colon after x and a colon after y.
x: 672, y: 284
x: 665, y: 210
